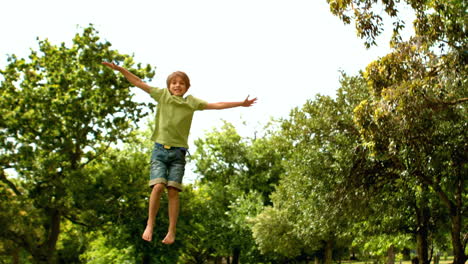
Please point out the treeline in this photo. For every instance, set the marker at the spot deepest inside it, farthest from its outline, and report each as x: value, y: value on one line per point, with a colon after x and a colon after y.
x: 377, y: 170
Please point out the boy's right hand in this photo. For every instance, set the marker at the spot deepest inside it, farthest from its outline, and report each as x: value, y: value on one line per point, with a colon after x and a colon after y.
x: 249, y: 102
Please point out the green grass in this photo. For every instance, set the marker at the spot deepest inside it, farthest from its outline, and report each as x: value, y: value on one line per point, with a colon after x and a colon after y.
x: 443, y: 260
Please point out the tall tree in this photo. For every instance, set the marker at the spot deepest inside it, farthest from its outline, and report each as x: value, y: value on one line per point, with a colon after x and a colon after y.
x: 415, y: 123
x: 312, y: 195
x: 416, y: 118
x: 59, y: 111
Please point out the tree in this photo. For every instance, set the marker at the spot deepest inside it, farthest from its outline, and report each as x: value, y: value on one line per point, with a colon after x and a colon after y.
x: 237, y: 176
x: 415, y: 122
x: 60, y: 111
x: 416, y: 117
x: 312, y: 196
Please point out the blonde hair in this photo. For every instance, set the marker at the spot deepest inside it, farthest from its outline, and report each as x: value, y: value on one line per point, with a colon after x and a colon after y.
x: 180, y: 74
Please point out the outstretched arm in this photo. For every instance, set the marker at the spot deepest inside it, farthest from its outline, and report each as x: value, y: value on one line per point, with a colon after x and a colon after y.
x: 132, y: 78
x: 224, y: 105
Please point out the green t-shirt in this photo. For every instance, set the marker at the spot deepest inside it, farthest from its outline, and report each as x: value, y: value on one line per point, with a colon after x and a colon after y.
x: 174, y: 117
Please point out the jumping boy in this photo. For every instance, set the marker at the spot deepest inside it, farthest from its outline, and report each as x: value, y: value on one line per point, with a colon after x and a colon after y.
x: 173, y: 120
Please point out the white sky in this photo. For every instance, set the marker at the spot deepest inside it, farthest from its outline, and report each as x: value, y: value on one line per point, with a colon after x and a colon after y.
x: 281, y: 51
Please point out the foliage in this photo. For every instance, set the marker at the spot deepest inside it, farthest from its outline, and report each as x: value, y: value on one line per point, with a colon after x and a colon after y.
x: 415, y: 121
x: 60, y: 111
x: 237, y: 177
x: 99, y: 252
x: 376, y: 246
x: 382, y: 164
x: 273, y: 232
x: 441, y: 22
x: 312, y: 201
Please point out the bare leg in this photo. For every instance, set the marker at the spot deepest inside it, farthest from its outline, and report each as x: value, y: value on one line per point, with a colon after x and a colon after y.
x: 173, y: 194
x: 153, y: 210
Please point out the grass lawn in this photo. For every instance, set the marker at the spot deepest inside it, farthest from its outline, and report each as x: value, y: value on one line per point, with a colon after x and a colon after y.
x: 443, y: 260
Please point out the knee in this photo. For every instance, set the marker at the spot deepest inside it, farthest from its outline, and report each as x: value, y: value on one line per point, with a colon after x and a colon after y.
x: 172, y: 192
x: 158, y: 188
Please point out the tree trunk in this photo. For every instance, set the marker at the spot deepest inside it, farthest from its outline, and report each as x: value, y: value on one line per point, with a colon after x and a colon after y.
x: 45, y: 253
x: 146, y: 259
x: 455, y: 209
x: 457, y: 244
x: 422, y: 234
x: 53, y: 234
x: 353, y: 254
x: 436, y: 258
x: 391, y: 254
x: 457, y: 223
x: 406, y: 254
x: 235, y: 255
x: 15, y: 256
x: 329, y: 252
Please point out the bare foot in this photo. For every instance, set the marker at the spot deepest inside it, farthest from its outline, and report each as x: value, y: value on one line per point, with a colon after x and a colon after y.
x: 169, y: 239
x: 148, y: 234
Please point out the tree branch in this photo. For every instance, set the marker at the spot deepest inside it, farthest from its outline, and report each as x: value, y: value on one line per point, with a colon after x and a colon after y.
x: 442, y: 195
x: 10, y: 184
x: 76, y: 221
x: 439, y: 104
x: 95, y: 156
x: 454, y: 102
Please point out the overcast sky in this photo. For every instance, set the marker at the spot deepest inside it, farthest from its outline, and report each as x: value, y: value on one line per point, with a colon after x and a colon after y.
x: 281, y: 51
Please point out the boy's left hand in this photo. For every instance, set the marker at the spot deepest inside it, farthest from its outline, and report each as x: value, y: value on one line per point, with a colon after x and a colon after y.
x: 248, y: 102
x: 110, y: 65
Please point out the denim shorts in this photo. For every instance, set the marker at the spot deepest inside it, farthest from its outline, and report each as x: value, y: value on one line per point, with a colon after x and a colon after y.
x: 167, y: 166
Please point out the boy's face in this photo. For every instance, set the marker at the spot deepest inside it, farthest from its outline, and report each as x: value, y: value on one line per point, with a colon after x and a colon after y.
x: 177, y: 86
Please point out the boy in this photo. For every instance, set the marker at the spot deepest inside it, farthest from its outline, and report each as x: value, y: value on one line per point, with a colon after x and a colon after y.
x: 173, y: 121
